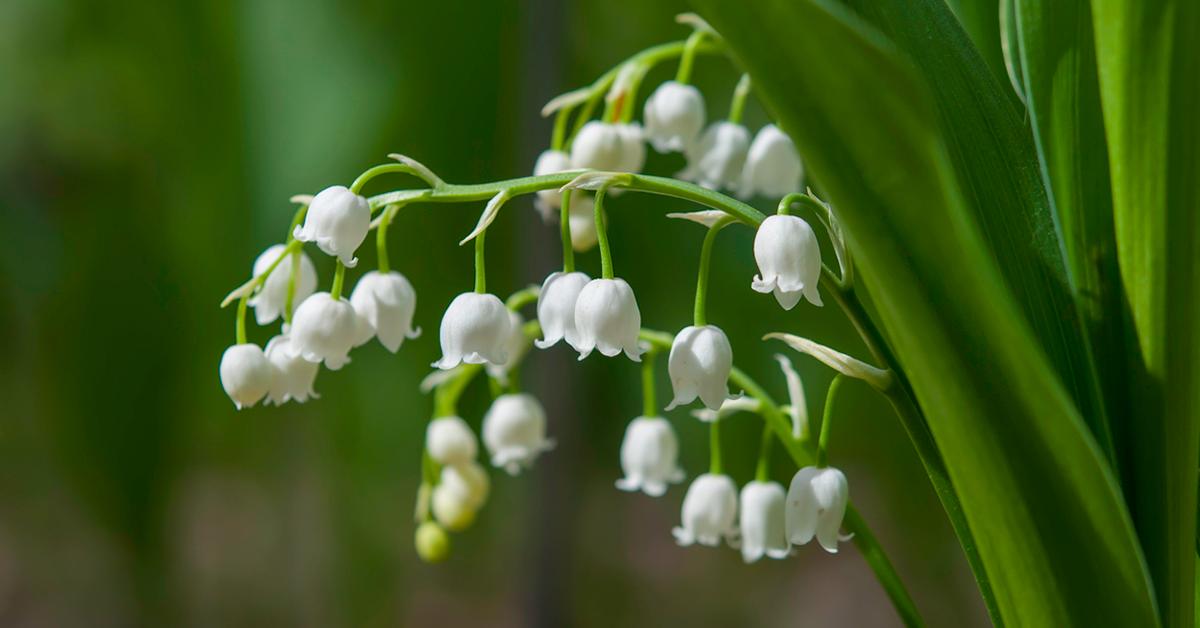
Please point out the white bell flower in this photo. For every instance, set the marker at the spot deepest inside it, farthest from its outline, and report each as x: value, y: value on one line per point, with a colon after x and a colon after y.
x: 384, y: 303
x: 324, y: 330
x: 515, y: 347
x: 583, y: 222
x: 607, y: 319
x: 716, y: 160
x: 674, y: 117
x: 599, y: 146
x: 709, y: 512
x: 789, y: 260
x: 294, y: 375
x: 699, y: 366
x: 550, y: 162
x: 556, y: 308
x: 649, y: 456
x: 633, y: 148
x: 514, y: 431
x: 449, y: 440
x: 452, y: 508
x: 475, y: 330
x: 246, y: 374
x: 773, y: 167
x: 761, y: 515
x: 816, y: 504
x: 469, y: 479
x: 338, y: 221
x: 270, y: 300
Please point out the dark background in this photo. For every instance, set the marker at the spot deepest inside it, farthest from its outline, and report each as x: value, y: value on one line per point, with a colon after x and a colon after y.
x: 147, y: 151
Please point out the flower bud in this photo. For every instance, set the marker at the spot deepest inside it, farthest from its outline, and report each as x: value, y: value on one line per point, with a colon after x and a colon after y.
x: 514, y: 431
x: 452, y: 508
x: 338, y: 221
x: 449, y: 441
x: 468, y: 479
x: 432, y: 542
x: 515, y: 347
x: 556, y: 307
x: 716, y: 160
x: 789, y: 260
x: 384, y: 303
x: 762, y: 521
x: 607, y: 319
x: 324, y: 330
x: 246, y: 374
x: 475, y: 330
x: 674, y: 117
x: 599, y: 146
x: 633, y: 149
x: 816, y: 505
x: 649, y: 456
x: 773, y: 167
x: 709, y: 511
x: 550, y: 162
x: 699, y: 365
x: 270, y: 300
x: 294, y: 375
x: 583, y: 222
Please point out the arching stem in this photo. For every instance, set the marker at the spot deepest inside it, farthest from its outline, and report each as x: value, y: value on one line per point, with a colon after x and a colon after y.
x: 699, y: 318
x: 827, y: 421
x: 606, y: 264
x: 565, y: 230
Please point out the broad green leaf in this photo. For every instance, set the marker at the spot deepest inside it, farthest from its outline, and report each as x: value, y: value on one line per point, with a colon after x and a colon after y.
x: 992, y: 151
x: 981, y: 20
x: 1148, y: 53
x: 1042, y: 505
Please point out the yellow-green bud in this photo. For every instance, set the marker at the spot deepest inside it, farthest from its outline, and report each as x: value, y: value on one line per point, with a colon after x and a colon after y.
x: 433, y: 544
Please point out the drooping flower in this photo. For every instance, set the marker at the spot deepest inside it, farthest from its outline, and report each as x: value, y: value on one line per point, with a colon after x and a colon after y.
x: 270, y: 300
x: 338, y: 221
x: 432, y: 542
x: 475, y: 330
x: 246, y: 374
x: 583, y: 222
x: 674, y: 116
x: 550, y: 162
x: 762, y: 521
x: 649, y: 456
x: 384, y: 303
x: 556, y: 307
x: 294, y: 375
x: 816, y: 504
x: 607, y: 319
x: 773, y: 167
x: 324, y: 330
x: 515, y: 347
x: 460, y: 493
x: 716, y: 160
x: 633, y: 148
x: 699, y: 366
x: 789, y: 260
x: 514, y: 431
x: 449, y: 440
x: 599, y: 146
x: 709, y: 511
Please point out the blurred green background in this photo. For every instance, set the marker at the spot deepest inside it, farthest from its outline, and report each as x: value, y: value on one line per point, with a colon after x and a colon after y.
x: 147, y: 151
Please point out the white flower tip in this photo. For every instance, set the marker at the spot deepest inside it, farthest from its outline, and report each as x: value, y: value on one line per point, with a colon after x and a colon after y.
x: 708, y: 217
x: 301, y: 199
x: 569, y: 99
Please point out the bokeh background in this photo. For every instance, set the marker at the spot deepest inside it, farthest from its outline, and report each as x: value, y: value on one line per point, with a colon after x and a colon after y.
x: 147, y: 151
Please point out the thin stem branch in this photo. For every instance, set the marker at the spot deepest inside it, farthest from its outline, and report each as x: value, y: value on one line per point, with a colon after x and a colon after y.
x: 738, y: 104
x: 827, y: 421
x: 339, y: 279
x: 606, y: 264
x: 714, y: 446
x: 649, y: 393
x: 240, y: 326
x: 480, y: 267
x: 762, y: 471
x: 699, y: 318
x: 385, y: 221
x: 564, y: 219
x: 687, y: 59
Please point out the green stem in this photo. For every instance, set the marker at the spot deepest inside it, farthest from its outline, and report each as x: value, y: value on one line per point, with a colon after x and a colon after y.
x: 762, y: 471
x: 297, y: 218
x: 827, y: 421
x: 649, y: 393
x: 560, y: 128
x: 738, y: 105
x: 373, y: 172
x: 240, y: 327
x: 714, y: 447
x: 339, y: 279
x: 606, y: 265
x: 687, y: 59
x: 290, y: 300
x: 480, y: 269
x: 565, y: 229
x: 698, y: 313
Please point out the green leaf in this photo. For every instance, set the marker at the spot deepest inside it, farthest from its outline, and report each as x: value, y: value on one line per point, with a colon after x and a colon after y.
x: 981, y: 20
x: 1148, y: 53
x: 1047, y: 518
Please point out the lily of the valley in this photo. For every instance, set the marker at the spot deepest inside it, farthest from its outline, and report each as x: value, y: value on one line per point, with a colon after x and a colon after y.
x: 550, y: 162
x: 514, y: 431
x: 324, y: 330
x: 674, y: 116
x: 649, y: 456
x: 699, y: 365
x: 607, y: 319
x: 384, y: 303
x: 816, y: 505
x: 599, y: 146
x: 709, y: 511
x: 633, y: 148
x: 294, y: 376
x: 515, y: 347
x: 449, y: 441
x: 460, y: 493
x: 762, y: 522
x: 716, y: 160
x: 556, y: 308
x: 270, y: 300
x: 583, y: 222
x: 773, y: 167
x: 246, y: 374
x: 475, y: 329
x: 789, y: 260
x: 338, y: 221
